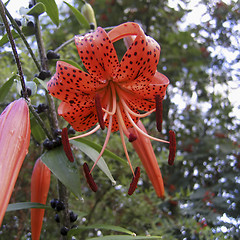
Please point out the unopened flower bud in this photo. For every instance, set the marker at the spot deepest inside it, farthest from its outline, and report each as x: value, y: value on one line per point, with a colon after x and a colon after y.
x: 88, y: 13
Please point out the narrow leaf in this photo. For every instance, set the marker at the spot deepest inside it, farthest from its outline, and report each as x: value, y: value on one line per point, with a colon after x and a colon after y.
x: 36, y: 130
x: 98, y: 148
x: 52, y: 10
x: 37, y: 10
x: 4, y: 90
x: 125, y: 237
x: 27, y: 31
x: 44, y: 84
x: 81, y: 19
x: 74, y: 232
x: 25, y: 205
x: 67, y: 172
x: 93, y: 154
x: 72, y: 63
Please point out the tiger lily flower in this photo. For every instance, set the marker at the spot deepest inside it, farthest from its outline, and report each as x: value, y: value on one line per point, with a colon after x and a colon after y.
x: 110, y: 93
x: 14, y: 143
x: 40, y: 183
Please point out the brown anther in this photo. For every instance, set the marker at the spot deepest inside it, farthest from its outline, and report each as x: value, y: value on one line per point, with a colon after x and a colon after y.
x: 99, y: 111
x: 172, y: 147
x: 159, y: 111
x: 66, y: 145
x: 133, y: 184
x: 89, y: 178
x: 132, y: 137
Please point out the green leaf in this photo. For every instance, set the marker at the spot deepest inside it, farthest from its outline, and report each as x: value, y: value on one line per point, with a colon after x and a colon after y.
x: 36, y: 130
x: 67, y: 172
x: 72, y: 63
x: 93, y: 154
x: 98, y: 148
x: 102, y: 227
x: 81, y: 19
x: 27, y: 31
x: 44, y: 84
x: 125, y: 237
x: 4, y: 90
x: 52, y: 10
x: 25, y: 205
x: 37, y: 10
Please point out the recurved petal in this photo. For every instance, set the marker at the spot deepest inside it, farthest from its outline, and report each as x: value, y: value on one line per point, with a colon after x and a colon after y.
x: 14, y: 143
x: 79, y: 120
x: 98, y: 54
x: 157, y: 86
x: 139, y: 63
x: 69, y: 80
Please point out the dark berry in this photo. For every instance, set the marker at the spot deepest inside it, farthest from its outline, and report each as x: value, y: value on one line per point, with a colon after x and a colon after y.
x: 48, y: 144
x: 29, y: 92
x: 57, y: 218
x: 30, y: 24
x: 59, y: 206
x: 71, y: 131
x: 57, y: 132
x: 44, y: 74
x: 18, y: 22
x: 53, y: 203
x: 41, y: 107
x: 64, y: 231
x: 30, y: 5
x: 92, y: 26
x: 52, y: 55
x: 73, y: 216
x: 57, y: 142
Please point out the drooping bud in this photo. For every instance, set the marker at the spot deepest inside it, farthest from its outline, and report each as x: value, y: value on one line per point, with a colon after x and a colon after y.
x: 14, y: 143
x: 133, y: 184
x: 88, y: 12
x: 172, y: 147
x: 159, y: 110
x: 99, y: 111
x: 89, y: 178
x: 40, y: 183
x: 66, y: 145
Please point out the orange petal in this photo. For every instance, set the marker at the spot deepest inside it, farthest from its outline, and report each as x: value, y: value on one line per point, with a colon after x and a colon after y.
x: 40, y: 183
x: 14, y: 143
x: 144, y: 149
x: 79, y: 120
x: 97, y: 53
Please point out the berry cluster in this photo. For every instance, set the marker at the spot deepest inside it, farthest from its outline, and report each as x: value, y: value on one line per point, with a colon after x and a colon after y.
x: 58, y: 206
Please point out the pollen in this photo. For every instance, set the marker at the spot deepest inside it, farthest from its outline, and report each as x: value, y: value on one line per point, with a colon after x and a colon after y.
x: 172, y: 147
x: 89, y: 178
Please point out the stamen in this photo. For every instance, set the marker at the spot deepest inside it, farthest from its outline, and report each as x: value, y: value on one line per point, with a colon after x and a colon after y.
x: 159, y: 110
x: 86, y: 134
x: 133, y: 184
x: 89, y: 178
x: 141, y: 131
x: 140, y: 115
x: 124, y: 147
x: 99, y: 111
x: 105, y: 143
x: 172, y: 147
x: 114, y: 101
x: 66, y: 145
x: 132, y: 137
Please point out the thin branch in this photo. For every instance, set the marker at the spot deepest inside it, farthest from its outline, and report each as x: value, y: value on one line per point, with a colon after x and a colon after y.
x: 23, y: 39
x: 14, y: 49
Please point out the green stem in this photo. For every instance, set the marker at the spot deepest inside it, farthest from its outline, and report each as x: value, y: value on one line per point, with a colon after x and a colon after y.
x: 23, y: 38
x: 62, y: 190
x: 14, y: 49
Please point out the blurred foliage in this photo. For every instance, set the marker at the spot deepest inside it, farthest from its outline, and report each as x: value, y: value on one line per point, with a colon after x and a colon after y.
x: 202, y: 188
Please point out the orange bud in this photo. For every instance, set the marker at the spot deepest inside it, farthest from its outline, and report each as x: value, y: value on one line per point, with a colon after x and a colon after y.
x: 40, y: 183
x: 14, y: 143
x: 144, y: 149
